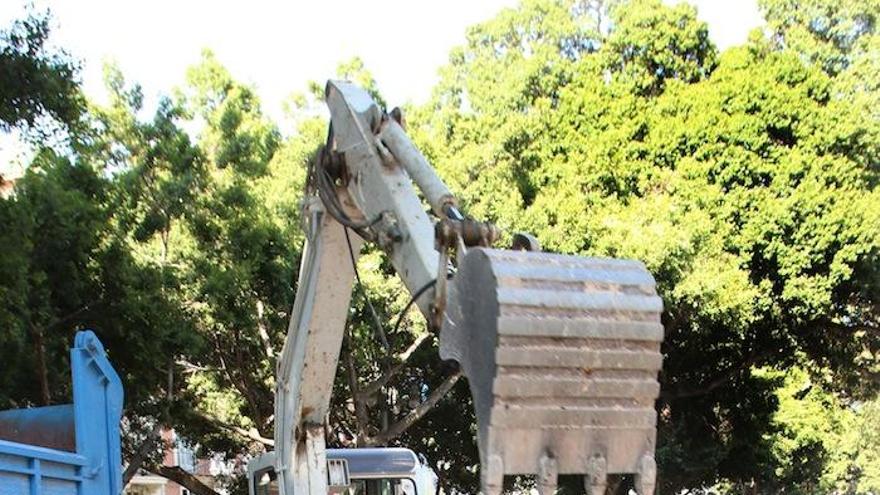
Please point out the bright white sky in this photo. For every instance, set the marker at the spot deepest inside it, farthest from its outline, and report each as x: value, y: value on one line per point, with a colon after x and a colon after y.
x: 281, y: 45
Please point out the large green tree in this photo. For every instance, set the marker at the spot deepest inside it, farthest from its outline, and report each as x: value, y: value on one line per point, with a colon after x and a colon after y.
x: 68, y: 266
x: 745, y: 181
x: 239, y: 266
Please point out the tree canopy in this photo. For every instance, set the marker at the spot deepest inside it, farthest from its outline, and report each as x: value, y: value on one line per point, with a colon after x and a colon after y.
x: 39, y: 88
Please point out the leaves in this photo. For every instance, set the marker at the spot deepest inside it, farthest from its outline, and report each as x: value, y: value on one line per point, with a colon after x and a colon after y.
x: 39, y: 86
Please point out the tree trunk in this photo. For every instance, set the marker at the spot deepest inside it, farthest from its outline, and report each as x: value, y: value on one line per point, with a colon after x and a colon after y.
x: 184, y: 479
x: 137, y: 460
x: 143, y: 452
x: 41, y: 371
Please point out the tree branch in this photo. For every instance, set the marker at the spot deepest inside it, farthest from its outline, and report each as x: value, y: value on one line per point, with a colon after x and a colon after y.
x: 398, y: 428
x: 264, y: 334
x: 140, y: 456
x: 718, y: 381
x: 73, y: 314
x: 42, y: 373
x: 251, y: 434
x: 37, y: 333
x: 243, y: 389
x: 189, y: 367
x: 380, y: 382
x: 361, y: 415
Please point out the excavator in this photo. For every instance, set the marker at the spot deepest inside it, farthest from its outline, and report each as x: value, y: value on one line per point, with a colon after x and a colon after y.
x: 561, y: 353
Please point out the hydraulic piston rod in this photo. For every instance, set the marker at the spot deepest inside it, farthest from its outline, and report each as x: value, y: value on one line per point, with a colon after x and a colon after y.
x: 416, y: 165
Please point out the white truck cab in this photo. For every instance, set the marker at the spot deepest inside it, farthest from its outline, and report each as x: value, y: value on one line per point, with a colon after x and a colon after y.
x: 370, y: 471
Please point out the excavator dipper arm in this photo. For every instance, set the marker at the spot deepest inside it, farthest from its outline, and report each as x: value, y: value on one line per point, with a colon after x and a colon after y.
x: 375, y: 190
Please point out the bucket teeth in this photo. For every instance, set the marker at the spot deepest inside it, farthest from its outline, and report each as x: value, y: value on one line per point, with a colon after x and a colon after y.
x: 561, y: 355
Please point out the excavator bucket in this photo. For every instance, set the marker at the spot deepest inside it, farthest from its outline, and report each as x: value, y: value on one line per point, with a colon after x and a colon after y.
x: 561, y: 354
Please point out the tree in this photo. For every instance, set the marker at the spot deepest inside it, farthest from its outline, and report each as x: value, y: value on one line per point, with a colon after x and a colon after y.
x: 816, y: 439
x: 157, y: 174
x: 745, y: 183
x: 159, y: 171
x: 53, y: 226
x: 68, y: 263
x: 171, y: 199
x: 69, y: 269
x: 650, y: 44
x: 38, y: 84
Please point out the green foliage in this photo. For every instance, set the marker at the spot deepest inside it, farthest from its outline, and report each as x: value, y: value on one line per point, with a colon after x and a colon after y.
x: 159, y: 170
x: 650, y: 44
x: 810, y: 445
x: 237, y: 253
x: 236, y: 135
x: 57, y: 217
x: 68, y: 268
x: 867, y: 458
x: 829, y: 34
x: 38, y: 84
x: 744, y: 182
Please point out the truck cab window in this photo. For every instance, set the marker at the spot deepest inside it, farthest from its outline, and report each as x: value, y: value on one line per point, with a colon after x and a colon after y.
x: 382, y: 487
x: 266, y: 483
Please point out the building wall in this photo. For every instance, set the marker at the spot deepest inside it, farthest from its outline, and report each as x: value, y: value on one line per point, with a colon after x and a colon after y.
x: 146, y: 484
x: 7, y: 187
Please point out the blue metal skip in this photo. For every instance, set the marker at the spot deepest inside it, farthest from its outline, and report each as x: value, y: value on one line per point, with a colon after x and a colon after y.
x: 71, y: 449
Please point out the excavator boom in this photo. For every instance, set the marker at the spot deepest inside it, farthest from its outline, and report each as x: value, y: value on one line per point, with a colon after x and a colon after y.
x: 561, y: 352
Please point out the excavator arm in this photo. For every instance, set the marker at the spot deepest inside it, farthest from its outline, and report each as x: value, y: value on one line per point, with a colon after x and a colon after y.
x: 351, y: 186
x: 561, y: 352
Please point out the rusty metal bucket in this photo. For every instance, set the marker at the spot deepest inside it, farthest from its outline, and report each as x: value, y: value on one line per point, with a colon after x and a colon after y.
x: 561, y: 355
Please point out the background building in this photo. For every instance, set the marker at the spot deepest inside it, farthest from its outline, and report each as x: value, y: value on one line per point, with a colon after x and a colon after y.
x: 180, y: 454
